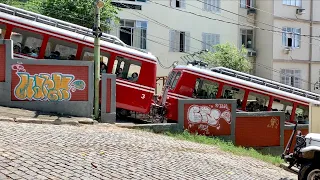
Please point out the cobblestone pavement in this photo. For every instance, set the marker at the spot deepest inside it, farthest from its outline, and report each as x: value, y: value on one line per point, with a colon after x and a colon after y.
x: 40, y: 151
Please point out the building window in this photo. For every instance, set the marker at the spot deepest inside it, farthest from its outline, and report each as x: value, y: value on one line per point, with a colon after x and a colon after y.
x: 134, y: 33
x: 178, y: 3
x: 291, y: 77
x: 246, y: 3
x: 209, y: 40
x: 247, y: 38
x: 291, y: 37
x: 179, y: 41
x: 292, y: 2
x: 212, y: 5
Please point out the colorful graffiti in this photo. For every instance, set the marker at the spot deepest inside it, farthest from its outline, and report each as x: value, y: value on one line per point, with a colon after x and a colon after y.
x: 44, y: 86
x: 208, y: 115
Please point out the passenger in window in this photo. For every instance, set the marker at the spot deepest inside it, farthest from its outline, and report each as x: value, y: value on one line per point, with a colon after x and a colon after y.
x: 134, y: 77
x: 16, y: 49
x: 119, y: 73
x: 103, y: 68
x: 26, y: 50
x: 33, y: 53
x: 239, y: 104
x: 72, y: 57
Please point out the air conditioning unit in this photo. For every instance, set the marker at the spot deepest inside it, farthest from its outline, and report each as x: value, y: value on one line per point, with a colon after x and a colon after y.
x: 300, y: 11
x: 252, y: 53
x: 251, y: 11
x: 286, y: 50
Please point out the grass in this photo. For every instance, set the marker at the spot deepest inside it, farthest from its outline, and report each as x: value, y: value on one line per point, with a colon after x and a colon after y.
x: 226, y: 146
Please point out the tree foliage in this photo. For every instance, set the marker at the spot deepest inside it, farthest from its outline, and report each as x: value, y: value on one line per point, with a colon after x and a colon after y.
x: 79, y: 12
x: 229, y: 56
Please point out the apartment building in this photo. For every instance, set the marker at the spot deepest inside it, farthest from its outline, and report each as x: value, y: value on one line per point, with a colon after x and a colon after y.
x: 287, y: 54
x: 169, y: 33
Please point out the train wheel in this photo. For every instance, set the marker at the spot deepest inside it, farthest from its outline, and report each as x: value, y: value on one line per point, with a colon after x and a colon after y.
x: 314, y: 175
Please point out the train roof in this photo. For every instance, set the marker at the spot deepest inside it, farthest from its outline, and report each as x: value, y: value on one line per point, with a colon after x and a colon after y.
x: 255, y: 85
x: 58, y: 27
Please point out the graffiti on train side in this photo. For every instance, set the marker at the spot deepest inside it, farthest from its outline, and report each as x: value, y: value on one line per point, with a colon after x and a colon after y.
x: 44, y: 86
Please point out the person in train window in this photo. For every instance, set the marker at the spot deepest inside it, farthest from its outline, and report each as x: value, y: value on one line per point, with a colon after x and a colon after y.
x: 72, y: 57
x: 239, y: 103
x: 103, y: 68
x: 26, y: 50
x: 16, y: 49
x: 134, y: 77
x: 119, y: 73
x: 33, y: 53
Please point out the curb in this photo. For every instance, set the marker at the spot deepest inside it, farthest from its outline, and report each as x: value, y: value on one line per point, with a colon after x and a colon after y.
x: 45, y: 121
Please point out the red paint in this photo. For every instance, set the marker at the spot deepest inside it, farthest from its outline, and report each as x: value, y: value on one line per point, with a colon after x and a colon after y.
x: 293, y: 112
x: 80, y: 73
x: 147, y: 75
x: 287, y: 134
x: 9, y: 28
x: 245, y: 99
x: 208, y: 123
x: 271, y: 98
x: 108, y: 97
x: 43, y: 47
x: 2, y: 63
x: 79, y: 51
x: 257, y: 131
x: 220, y: 89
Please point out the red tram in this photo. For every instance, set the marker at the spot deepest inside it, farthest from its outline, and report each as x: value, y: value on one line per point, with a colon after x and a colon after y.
x: 41, y: 37
x: 252, y: 93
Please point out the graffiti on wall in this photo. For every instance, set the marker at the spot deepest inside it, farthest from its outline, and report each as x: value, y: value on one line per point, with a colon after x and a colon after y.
x: 208, y: 116
x: 274, y: 123
x: 44, y: 86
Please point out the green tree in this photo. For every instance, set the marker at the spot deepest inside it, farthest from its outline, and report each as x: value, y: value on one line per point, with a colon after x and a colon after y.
x: 229, y: 56
x: 79, y: 12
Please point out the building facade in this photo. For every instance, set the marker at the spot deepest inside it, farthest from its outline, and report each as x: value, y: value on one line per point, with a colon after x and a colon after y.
x: 167, y: 32
x: 292, y: 48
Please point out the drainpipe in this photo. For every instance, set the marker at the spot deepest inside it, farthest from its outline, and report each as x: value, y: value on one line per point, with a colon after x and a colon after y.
x: 310, y: 45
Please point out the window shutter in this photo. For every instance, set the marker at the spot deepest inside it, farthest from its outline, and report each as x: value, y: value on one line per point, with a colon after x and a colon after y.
x: 299, y: 3
x: 205, y: 5
x: 173, y: 3
x: 243, y: 3
x: 171, y: 40
x: 187, y: 41
x: 284, y: 36
x: 183, y: 4
x: 204, y: 41
x: 218, y: 5
x: 298, y: 37
x: 217, y: 39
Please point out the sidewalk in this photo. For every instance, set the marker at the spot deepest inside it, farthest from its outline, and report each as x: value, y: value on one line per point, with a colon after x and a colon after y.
x: 27, y: 116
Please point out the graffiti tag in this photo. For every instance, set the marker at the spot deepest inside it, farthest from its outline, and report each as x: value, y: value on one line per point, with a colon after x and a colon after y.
x: 274, y: 122
x: 208, y: 115
x: 44, y: 86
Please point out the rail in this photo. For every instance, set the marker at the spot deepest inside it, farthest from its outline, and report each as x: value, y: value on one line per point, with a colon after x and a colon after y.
x: 267, y: 83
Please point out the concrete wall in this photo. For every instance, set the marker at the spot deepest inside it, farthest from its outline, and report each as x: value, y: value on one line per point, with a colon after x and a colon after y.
x: 108, y: 98
x: 314, y: 115
x: 65, y: 87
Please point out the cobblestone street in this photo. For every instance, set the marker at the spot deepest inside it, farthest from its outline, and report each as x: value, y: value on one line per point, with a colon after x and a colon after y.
x: 39, y: 151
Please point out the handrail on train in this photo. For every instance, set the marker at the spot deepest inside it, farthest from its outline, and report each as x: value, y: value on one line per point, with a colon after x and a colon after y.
x: 61, y: 24
x: 266, y: 82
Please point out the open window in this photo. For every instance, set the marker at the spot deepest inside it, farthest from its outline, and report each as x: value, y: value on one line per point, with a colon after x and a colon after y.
x: 175, y: 80
x: 230, y: 92
x: 2, y: 31
x: 26, y: 42
x: 205, y: 89
x: 257, y: 102
x: 60, y: 49
x: 281, y: 105
x: 127, y: 69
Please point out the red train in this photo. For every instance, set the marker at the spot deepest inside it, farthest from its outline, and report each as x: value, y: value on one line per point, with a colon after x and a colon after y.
x: 41, y: 37
x: 55, y: 39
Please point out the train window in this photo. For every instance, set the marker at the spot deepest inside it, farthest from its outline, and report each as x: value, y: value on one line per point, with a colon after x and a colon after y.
x: 88, y: 55
x: 257, y: 102
x: 230, y: 92
x: 2, y: 30
x: 26, y: 42
x: 302, y: 114
x: 205, y: 89
x: 175, y: 80
x: 170, y: 78
x: 127, y: 68
x: 281, y: 105
x: 60, y: 49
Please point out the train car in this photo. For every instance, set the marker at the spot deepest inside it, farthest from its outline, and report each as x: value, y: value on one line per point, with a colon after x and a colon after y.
x: 252, y: 93
x: 40, y: 37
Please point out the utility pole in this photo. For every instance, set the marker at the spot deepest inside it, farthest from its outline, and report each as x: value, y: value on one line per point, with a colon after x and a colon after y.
x: 97, y: 33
